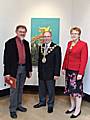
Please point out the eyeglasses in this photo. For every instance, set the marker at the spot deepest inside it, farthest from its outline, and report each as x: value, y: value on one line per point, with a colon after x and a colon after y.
x: 74, y: 33
x: 46, y: 36
x: 22, y: 31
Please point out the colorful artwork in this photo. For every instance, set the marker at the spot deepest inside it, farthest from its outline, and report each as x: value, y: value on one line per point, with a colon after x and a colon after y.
x: 38, y: 26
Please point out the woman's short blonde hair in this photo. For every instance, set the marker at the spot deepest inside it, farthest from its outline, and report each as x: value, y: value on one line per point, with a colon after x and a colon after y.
x: 77, y: 29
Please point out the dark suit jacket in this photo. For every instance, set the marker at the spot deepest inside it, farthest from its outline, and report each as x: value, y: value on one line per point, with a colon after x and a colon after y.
x: 11, y: 58
x: 47, y: 71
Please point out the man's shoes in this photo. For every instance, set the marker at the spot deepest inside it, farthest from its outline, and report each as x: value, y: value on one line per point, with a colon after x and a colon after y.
x: 22, y: 109
x: 68, y: 112
x: 50, y: 109
x: 75, y: 116
x: 39, y: 105
x: 13, y: 114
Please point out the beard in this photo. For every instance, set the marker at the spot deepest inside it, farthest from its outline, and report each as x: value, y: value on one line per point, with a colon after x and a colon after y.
x: 22, y: 37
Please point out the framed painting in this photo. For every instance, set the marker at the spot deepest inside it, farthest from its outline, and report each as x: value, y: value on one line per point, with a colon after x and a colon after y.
x: 38, y: 26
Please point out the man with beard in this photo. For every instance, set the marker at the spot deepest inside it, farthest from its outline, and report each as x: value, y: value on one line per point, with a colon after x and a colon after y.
x: 17, y: 64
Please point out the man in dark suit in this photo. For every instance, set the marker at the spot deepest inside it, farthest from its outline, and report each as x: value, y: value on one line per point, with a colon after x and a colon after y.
x: 17, y: 63
x: 49, y: 65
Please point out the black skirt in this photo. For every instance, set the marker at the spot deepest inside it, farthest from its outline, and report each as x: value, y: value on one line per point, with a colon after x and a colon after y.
x: 73, y: 86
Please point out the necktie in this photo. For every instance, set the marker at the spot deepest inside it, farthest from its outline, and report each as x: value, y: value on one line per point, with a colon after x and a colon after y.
x: 46, y: 46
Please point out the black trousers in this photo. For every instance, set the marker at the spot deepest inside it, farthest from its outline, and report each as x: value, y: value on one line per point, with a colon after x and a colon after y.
x: 47, y: 87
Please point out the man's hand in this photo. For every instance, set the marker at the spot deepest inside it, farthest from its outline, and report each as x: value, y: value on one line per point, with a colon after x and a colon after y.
x: 79, y: 77
x: 30, y: 74
x: 56, y: 77
x: 7, y: 76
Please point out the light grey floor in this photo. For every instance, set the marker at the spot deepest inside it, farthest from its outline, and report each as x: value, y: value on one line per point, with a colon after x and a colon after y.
x: 61, y: 105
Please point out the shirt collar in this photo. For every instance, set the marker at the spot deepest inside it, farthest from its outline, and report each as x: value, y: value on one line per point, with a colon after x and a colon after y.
x: 48, y: 44
x: 18, y: 39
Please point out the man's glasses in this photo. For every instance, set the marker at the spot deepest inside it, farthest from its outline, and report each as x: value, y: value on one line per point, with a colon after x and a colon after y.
x: 22, y: 31
x: 46, y: 36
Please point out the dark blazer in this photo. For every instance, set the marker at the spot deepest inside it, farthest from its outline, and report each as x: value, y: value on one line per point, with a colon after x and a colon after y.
x: 47, y: 71
x: 76, y: 58
x: 11, y: 58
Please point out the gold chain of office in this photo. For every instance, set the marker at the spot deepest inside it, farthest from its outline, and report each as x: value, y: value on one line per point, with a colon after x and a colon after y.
x: 44, y: 53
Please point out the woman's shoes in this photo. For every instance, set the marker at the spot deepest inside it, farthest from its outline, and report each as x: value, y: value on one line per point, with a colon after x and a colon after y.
x: 68, y: 112
x: 75, y: 116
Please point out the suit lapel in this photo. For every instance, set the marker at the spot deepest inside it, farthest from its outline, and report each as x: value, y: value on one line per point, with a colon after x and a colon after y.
x: 16, y: 49
x: 52, y: 44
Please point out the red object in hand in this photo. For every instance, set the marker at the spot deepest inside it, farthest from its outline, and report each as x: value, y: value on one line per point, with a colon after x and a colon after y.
x: 11, y: 81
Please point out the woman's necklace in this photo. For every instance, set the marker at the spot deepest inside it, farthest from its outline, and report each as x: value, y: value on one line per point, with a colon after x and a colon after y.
x: 73, y: 44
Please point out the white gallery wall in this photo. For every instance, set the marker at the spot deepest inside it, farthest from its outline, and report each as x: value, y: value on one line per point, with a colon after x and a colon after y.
x: 14, y: 12
x: 70, y: 12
